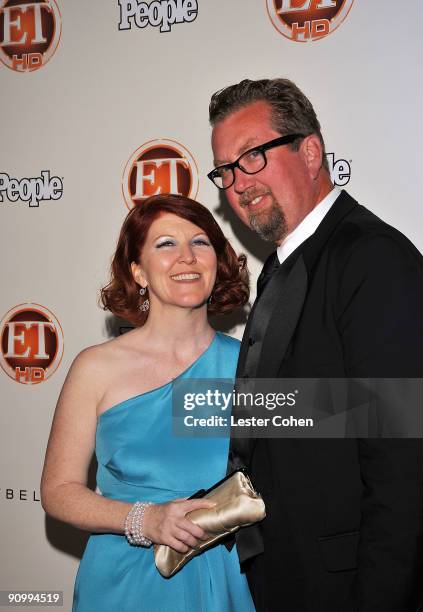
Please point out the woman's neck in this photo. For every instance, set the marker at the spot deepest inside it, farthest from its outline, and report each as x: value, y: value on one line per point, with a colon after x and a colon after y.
x: 178, y: 330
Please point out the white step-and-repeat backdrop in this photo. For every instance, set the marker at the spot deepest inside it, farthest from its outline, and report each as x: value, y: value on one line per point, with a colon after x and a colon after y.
x: 104, y: 102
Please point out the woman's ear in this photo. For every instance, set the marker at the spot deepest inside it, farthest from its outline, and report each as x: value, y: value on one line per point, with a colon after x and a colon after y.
x: 137, y: 274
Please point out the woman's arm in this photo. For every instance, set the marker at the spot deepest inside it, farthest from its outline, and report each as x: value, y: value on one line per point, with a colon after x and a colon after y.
x: 64, y: 491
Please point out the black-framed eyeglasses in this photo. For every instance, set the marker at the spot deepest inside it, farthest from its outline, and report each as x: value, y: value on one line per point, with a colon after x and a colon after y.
x: 250, y: 162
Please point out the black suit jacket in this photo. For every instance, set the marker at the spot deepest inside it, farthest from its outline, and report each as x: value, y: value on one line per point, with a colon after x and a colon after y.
x: 344, y: 526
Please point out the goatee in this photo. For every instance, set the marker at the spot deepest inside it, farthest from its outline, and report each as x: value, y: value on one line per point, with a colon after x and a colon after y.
x: 269, y: 224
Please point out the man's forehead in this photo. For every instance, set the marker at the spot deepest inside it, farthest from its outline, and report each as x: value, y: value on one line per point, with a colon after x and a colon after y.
x: 242, y: 130
x: 239, y: 146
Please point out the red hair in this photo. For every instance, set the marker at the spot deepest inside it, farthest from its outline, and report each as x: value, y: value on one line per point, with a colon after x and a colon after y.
x: 121, y: 294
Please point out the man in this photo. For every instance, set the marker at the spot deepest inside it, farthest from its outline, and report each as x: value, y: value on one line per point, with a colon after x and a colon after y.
x: 342, y: 297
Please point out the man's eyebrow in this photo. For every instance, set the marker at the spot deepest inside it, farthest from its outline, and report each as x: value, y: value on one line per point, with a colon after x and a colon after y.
x: 249, y: 144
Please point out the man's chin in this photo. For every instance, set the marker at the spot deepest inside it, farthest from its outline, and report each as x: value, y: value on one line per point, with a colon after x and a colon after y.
x: 270, y: 232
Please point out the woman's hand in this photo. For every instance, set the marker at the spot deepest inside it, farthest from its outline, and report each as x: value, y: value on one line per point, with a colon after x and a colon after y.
x: 167, y: 523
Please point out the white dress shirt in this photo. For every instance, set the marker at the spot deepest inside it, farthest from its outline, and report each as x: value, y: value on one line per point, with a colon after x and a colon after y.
x: 308, y: 225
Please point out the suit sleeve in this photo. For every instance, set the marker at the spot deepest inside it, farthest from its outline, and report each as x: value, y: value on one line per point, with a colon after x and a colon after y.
x: 380, y: 306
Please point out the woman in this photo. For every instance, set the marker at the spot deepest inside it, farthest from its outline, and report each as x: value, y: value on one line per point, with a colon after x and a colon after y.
x: 172, y: 265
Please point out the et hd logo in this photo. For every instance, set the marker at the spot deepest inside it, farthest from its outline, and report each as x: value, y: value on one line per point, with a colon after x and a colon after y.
x: 29, y: 33
x: 159, y: 166
x: 305, y: 20
x: 31, y: 343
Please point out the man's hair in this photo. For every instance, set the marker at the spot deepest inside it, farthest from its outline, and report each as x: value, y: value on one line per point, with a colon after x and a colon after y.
x: 292, y: 111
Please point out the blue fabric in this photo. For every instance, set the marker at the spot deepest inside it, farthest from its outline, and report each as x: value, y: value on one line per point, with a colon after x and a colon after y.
x: 139, y: 459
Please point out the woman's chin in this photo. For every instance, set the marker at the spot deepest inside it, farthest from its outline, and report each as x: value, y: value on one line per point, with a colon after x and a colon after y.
x: 194, y: 304
x: 186, y: 302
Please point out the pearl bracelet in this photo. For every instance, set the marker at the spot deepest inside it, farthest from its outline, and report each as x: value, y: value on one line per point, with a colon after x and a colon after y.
x: 133, y: 525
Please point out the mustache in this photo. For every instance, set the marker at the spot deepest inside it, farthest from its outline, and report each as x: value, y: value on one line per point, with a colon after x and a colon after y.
x: 249, y: 195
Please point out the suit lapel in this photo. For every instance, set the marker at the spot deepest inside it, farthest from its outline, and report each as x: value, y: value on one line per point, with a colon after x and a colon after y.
x: 290, y: 292
x: 313, y: 247
x: 277, y: 312
x: 244, y: 342
x: 288, y: 299
x: 257, y: 324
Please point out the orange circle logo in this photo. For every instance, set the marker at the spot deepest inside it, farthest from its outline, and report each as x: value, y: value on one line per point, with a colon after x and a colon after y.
x: 159, y: 166
x: 305, y: 20
x: 31, y: 343
x: 29, y: 33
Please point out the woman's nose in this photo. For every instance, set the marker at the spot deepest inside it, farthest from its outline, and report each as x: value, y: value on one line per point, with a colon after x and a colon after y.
x: 187, y: 254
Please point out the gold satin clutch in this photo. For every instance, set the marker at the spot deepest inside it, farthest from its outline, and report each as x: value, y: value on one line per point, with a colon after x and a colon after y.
x: 237, y: 505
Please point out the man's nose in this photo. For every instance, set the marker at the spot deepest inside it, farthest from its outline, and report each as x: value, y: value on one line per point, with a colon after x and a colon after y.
x: 242, y: 181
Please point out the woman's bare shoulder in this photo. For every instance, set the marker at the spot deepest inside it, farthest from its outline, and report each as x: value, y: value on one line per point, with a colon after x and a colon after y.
x: 101, y: 357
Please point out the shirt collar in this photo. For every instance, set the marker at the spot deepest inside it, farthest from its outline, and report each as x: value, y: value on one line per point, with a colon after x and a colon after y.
x: 308, y: 225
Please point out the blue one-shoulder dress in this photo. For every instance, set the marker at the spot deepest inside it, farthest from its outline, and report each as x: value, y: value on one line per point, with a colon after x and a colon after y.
x: 139, y: 459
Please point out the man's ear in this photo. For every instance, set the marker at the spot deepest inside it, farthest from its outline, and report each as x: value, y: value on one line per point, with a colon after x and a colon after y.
x: 312, y: 151
x: 137, y: 274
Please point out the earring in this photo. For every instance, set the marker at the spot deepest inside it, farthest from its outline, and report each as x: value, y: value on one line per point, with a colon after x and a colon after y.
x: 145, y: 306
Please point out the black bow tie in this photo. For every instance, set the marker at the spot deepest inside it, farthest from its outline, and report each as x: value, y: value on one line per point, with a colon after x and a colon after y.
x: 270, y: 266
